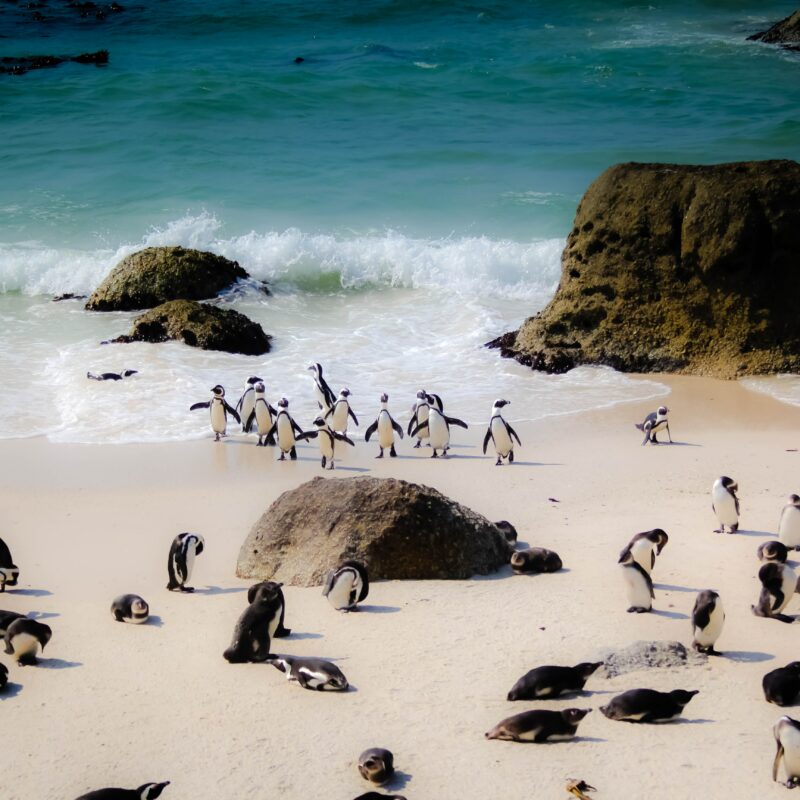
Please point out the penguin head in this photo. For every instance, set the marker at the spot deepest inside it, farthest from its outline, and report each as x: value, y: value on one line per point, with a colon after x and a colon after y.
x: 575, y: 715
x: 794, y: 499
x: 344, y: 393
x: 218, y: 391
x: 139, y: 606
x: 660, y: 537
x: 150, y: 791
x: 421, y: 394
x: 315, y: 368
x: 662, y: 411
x: 729, y: 483
x: 430, y: 400
x: 283, y: 402
x: 126, y: 373
x: 682, y: 696
x: 500, y: 403
x: 587, y: 668
x: 44, y: 634
x: 253, y: 380
x: 384, y: 398
x: 320, y: 422
x: 794, y: 666
x: 259, y: 388
x: 518, y: 560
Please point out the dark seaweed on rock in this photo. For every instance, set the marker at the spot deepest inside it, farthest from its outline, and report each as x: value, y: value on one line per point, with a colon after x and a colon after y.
x: 19, y: 66
x: 785, y: 33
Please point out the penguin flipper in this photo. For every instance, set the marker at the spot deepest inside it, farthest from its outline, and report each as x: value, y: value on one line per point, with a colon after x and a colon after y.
x: 250, y: 420
x: 326, y: 590
x: 776, y: 763
x: 295, y: 426
x: 701, y: 615
x: 342, y: 437
x: 624, y: 554
x: 271, y: 432
x: 372, y: 428
x: 232, y: 411
x: 454, y: 421
x: 736, y: 502
x: 305, y: 436
x: 419, y: 427
x: 639, y: 426
x: 512, y: 432
x: 412, y: 422
x: 487, y: 438
x: 397, y: 429
x: 200, y: 405
x: 328, y: 412
x: 351, y: 414
x: 273, y: 412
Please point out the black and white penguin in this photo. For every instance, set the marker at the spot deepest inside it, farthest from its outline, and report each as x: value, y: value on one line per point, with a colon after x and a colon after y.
x: 336, y: 416
x: 725, y: 504
x: 535, y: 559
x: 284, y: 429
x: 262, y: 416
x: 312, y: 673
x: 438, y: 427
x: 272, y: 588
x: 346, y: 586
x: 219, y: 409
x: 255, y: 628
x: 323, y: 393
x: 9, y: 571
x: 24, y: 637
x: 6, y: 618
x: 247, y: 401
x: 130, y: 608
x: 787, y: 738
x: 3, y: 676
x: 111, y: 376
x: 327, y: 439
x: 638, y: 584
x: 644, y: 547
x: 772, y: 551
x: 647, y: 705
x: 386, y: 427
x: 148, y: 791
x: 652, y: 423
x: 782, y: 685
x: 376, y: 764
x: 539, y: 726
x: 508, y: 530
x: 549, y: 682
x: 501, y: 434
x: 708, y: 617
x: 778, y: 584
x: 419, y: 415
x: 789, y: 526
x: 185, y: 547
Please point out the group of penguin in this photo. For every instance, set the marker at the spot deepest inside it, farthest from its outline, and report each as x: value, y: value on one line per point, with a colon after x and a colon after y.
x: 276, y: 426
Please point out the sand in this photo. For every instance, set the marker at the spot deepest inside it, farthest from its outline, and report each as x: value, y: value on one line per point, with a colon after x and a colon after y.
x: 430, y: 662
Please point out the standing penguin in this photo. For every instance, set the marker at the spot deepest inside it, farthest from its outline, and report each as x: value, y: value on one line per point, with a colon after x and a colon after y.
x: 386, y: 427
x: 644, y: 547
x: 185, y: 546
x: 778, y: 584
x: 323, y: 393
x: 327, y: 440
x: 725, y: 504
x: 638, y: 583
x: 652, y: 423
x: 24, y: 637
x: 708, y: 617
x: 262, y: 415
x: 3, y: 676
x: 336, y: 416
x: 772, y: 551
x: 148, y: 791
x: 419, y: 414
x: 219, y: 411
x: 789, y: 527
x: 271, y: 587
x: 347, y: 585
x: 501, y: 434
x: 9, y: 571
x: 285, y: 428
x: 438, y: 426
x: 787, y: 738
x: 247, y: 402
x: 256, y: 627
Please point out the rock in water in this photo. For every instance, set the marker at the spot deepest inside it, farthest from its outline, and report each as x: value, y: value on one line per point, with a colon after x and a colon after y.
x: 156, y: 275
x: 676, y: 268
x: 397, y: 529
x: 649, y: 655
x: 200, y: 325
x: 786, y: 33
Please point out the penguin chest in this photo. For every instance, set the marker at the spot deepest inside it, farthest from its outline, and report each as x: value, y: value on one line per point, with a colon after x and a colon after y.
x: 272, y: 624
x: 439, y: 432
x: 343, y: 587
x: 385, y: 431
x: 501, y: 438
x: 642, y: 552
x: 190, y: 556
x: 789, y: 529
x: 320, y: 396
x: 708, y: 636
x: 788, y: 586
x: 285, y: 433
x: 790, y: 739
x: 25, y: 644
x: 724, y: 506
x: 423, y: 415
x: 339, y: 416
x: 326, y: 444
x: 636, y: 587
x: 218, y: 420
x: 248, y: 403
x: 263, y: 418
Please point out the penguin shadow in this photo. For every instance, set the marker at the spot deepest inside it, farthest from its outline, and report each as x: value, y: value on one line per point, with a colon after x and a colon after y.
x: 370, y: 609
x: 747, y: 656
x: 399, y: 780
x: 669, y: 614
x: 57, y: 663
x: 31, y: 592
x: 534, y: 464
x: 580, y: 739
x: 10, y: 690
x: 42, y: 614
x: 682, y: 721
x: 351, y: 469
x: 298, y: 636
x: 742, y: 532
x: 669, y: 587
x: 211, y: 590
x: 677, y: 444
x: 154, y: 621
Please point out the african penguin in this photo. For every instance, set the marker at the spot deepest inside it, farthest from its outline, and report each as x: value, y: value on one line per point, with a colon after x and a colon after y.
x: 285, y: 429
x: 323, y: 393
x: 535, y: 559
x: 638, y: 584
x: 647, y: 705
x: 778, y: 584
x: 539, y: 726
x: 271, y: 587
x: 782, y: 686
x: 24, y: 637
x: 708, y: 617
x: 262, y: 416
x: 652, y: 423
x: 336, y: 416
x: 327, y: 439
x: 219, y: 409
x: 376, y: 764
x: 247, y: 401
x: 787, y: 739
x: 311, y: 673
x: 347, y: 585
x: 130, y: 608
x: 789, y: 526
x: 508, y: 530
x: 386, y: 427
x: 419, y: 415
x: 549, y: 682
x: 185, y: 547
x: 379, y: 796
x: 3, y: 676
x: 501, y: 434
x: 772, y: 551
x: 111, y: 376
x: 148, y: 791
x: 644, y: 547
x: 255, y: 628
x: 6, y: 618
x: 9, y: 571
x: 725, y: 504
x: 438, y: 427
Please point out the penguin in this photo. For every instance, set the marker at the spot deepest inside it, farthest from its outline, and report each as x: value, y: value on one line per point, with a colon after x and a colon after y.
x: 323, y: 393
x: 535, y: 559
x: 787, y: 738
x: 539, y: 726
x: 285, y: 429
x: 24, y: 637
x: 778, y: 584
x: 789, y: 526
x: 327, y: 440
x: 648, y: 705
x: 708, y: 617
x: 3, y: 676
x: 219, y: 411
x: 772, y: 551
x: 419, y: 415
x: 651, y: 424
x: 130, y: 608
x: 6, y: 618
x: 346, y: 586
x: 262, y: 415
x: 271, y: 587
x: 644, y: 547
x: 725, y: 504
x: 501, y: 434
x: 9, y: 571
x: 508, y: 530
x: 312, y: 673
x: 386, y: 427
x: 184, y: 548
x: 549, y: 682
x: 376, y: 765
x: 111, y: 376
x: 336, y: 416
x: 639, y: 585
x: 438, y: 426
x: 247, y: 401
x: 148, y: 791
x: 782, y: 685
x: 256, y: 626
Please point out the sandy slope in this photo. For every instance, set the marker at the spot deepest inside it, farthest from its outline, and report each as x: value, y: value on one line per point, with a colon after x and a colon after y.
x: 431, y: 662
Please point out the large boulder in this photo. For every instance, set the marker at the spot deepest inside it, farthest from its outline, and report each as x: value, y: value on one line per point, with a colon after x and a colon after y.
x: 156, y: 275
x: 200, y: 325
x: 676, y: 268
x: 786, y: 33
x: 398, y: 529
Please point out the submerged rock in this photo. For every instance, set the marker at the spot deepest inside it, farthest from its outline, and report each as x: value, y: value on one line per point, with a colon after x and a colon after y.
x: 785, y: 33
x: 397, y: 529
x: 676, y: 268
x: 157, y: 275
x: 23, y: 64
x: 200, y: 325
x: 649, y: 655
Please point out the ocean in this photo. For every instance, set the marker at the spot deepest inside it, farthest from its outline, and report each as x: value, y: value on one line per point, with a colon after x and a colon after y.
x: 403, y: 174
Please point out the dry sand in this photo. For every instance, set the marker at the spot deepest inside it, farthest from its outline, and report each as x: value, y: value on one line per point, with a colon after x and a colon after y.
x: 432, y: 661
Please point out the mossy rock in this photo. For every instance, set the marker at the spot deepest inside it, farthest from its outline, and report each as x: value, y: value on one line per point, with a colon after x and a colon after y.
x: 785, y: 33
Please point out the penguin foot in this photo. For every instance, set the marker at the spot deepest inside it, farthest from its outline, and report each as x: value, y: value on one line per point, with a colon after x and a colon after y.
x: 216, y: 438
x: 499, y: 462
x: 283, y: 457
x: 392, y: 452
x: 418, y: 444
x: 434, y: 455
x: 380, y: 455
x: 187, y: 589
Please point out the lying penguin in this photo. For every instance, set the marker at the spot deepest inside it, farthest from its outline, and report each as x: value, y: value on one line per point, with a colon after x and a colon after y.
x: 130, y: 608
x: 111, y: 376
x: 311, y: 673
x: 647, y: 705
x: 147, y: 791
x: 539, y: 726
